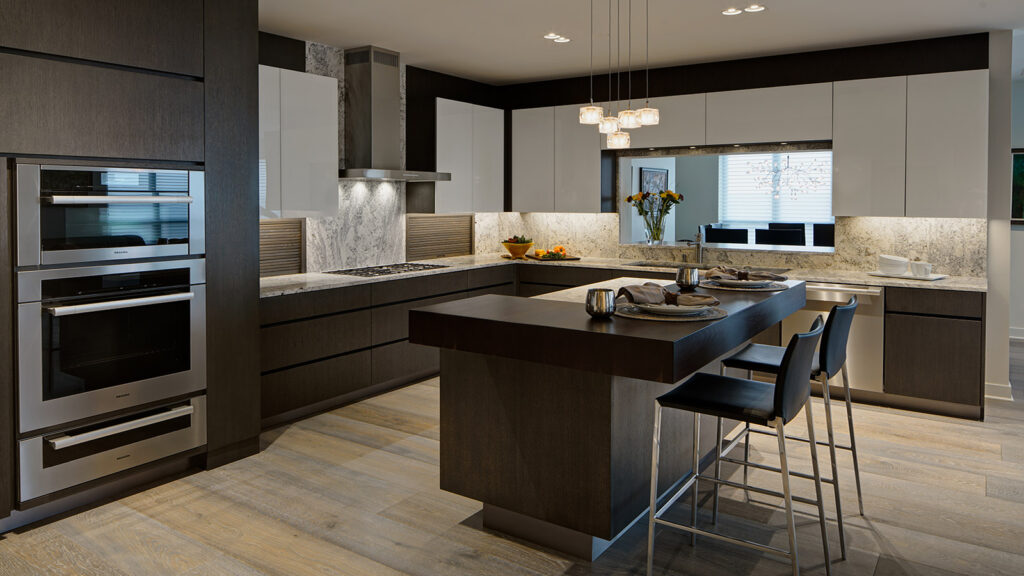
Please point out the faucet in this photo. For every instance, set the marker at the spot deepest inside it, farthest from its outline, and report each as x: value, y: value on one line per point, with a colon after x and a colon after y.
x: 698, y: 241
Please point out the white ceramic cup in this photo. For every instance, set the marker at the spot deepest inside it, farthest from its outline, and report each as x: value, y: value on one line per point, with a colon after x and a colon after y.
x: 921, y: 269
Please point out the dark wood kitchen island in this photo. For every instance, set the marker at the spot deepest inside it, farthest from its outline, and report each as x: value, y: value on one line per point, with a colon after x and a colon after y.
x: 547, y: 414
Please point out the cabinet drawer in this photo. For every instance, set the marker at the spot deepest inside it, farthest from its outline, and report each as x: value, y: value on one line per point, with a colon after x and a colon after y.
x: 307, y: 385
x: 152, y: 34
x: 935, y: 302
x: 527, y: 290
x: 297, y: 342
x: 564, y: 275
x: 402, y: 362
x: 391, y: 323
x: 308, y: 304
x: 81, y: 110
x: 419, y: 287
x: 504, y: 290
x: 491, y: 276
x: 934, y: 358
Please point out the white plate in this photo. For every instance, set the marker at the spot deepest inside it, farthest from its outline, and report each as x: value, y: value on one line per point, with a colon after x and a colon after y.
x: 672, y: 310
x: 741, y: 283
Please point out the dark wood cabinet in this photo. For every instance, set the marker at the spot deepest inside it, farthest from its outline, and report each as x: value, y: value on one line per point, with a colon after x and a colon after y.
x: 537, y: 279
x: 58, y: 108
x: 391, y: 291
x: 403, y: 363
x: 391, y: 323
x: 307, y: 389
x: 150, y: 34
x: 304, y: 341
x: 317, y: 303
x: 935, y: 302
x: 935, y: 358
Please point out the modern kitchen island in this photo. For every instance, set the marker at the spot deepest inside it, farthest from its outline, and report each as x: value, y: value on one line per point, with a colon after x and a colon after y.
x: 547, y: 414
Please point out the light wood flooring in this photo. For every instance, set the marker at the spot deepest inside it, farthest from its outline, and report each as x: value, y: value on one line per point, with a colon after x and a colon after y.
x: 355, y: 491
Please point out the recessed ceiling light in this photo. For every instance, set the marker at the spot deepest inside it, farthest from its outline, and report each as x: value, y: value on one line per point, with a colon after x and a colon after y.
x: 693, y: 147
x: 562, y: 40
x: 755, y: 8
x: 732, y: 12
x: 735, y: 145
x: 551, y: 36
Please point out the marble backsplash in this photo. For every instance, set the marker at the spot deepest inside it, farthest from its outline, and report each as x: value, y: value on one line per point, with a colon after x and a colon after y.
x: 369, y: 229
x: 954, y: 246
x: 593, y: 235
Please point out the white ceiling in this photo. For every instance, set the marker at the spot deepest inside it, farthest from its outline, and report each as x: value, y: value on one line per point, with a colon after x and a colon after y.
x: 500, y: 41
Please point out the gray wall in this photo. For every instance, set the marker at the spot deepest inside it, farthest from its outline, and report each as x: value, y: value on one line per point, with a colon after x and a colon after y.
x: 697, y: 181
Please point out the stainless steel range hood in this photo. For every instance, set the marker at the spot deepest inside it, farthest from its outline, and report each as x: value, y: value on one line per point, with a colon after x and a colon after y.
x: 373, y: 149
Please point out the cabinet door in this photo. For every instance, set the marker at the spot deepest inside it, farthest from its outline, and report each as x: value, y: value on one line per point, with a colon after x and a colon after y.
x: 270, y: 142
x: 152, y: 34
x: 533, y: 160
x: 455, y: 155
x: 682, y: 123
x: 577, y: 163
x: 70, y: 109
x: 309, y: 144
x: 947, y: 145
x: 779, y: 114
x: 934, y: 358
x: 869, y: 141
x: 488, y: 159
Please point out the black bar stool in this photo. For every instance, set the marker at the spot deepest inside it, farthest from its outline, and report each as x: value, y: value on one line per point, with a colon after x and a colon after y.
x: 831, y: 361
x: 752, y: 402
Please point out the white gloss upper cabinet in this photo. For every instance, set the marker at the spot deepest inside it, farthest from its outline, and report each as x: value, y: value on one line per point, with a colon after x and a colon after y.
x: 270, y: 142
x: 779, y: 114
x: 577, y: 163
x: 869, y: 141
x: 488, y: 159
x: 533, y: 159
x: 947, y: 145
x: 470, y: 145
x: 298, y: 143
x: 682, y: 123
x: 455, y: 155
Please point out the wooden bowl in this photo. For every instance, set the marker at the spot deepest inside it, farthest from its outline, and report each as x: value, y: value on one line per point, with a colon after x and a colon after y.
x: 518, y: 251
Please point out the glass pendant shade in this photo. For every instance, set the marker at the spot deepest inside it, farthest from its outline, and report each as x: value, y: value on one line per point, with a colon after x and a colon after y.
x: 591, y: 114
x: 649, y: 116
x: 608, y: 125
x: 629, y: 119
x: 618, y: 140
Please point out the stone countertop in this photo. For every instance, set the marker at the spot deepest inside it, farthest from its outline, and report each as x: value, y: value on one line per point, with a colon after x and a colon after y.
x: 297, y: 283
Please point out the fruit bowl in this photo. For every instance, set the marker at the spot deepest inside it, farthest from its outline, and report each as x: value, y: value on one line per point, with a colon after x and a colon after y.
x: 517, y: 250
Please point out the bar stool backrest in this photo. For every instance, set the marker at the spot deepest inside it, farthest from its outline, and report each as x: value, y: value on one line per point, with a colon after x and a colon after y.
x: 832, y: 355
x: 792, y: 385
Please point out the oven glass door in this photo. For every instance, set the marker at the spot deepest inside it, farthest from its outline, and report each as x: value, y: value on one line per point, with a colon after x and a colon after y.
x: 113, y: 209
x: 104, y: 343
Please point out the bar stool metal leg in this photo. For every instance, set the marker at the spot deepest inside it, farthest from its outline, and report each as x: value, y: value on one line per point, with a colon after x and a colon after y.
x: 696, y: 474
x: 787, y: 496
x: 746, y: 449
x: 718, y: 465
x: 655, y: 453
x: 826, y: 397
x: 853, y: 441
x: 817, y: 488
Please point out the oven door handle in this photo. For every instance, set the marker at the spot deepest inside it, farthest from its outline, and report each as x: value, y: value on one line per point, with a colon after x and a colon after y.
x: 59, y: 311
x: 67, y: 441
x: 867, y: 291
x: 72, y: 200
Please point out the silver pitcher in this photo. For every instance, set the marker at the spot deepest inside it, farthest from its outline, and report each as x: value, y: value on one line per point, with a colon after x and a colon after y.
x: 688, y: 278
x: 600, y: 302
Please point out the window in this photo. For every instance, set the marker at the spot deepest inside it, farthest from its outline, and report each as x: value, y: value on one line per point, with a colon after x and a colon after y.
x: 757, y: 189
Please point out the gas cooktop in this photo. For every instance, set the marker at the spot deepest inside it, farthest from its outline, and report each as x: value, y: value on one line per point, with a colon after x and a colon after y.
x: 387, y: 270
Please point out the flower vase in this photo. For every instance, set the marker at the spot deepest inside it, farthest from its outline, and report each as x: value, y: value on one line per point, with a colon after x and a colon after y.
x: 654, y: 229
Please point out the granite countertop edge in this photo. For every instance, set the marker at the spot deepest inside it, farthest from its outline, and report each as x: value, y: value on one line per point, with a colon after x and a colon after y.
x: 310, y: 282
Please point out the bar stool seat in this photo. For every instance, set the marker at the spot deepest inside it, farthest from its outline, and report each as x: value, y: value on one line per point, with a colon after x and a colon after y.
x: 725, y: 397
x: 763, y: 358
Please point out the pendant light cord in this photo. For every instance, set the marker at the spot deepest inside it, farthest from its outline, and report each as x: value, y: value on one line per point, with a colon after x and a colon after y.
x: 618, y: 53
x: 609, y: 56
x: 591, y: 52
x: 629, y: 54
x: 647, y: 54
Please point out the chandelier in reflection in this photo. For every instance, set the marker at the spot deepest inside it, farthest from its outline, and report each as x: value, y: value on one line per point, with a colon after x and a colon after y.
x: 777, y: 175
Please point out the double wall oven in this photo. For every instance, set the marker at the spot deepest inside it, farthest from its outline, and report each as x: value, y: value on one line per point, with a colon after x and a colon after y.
x: 111, y: 320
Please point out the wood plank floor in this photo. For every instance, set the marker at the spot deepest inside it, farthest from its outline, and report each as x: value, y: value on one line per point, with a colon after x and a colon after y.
x: 355, y: 491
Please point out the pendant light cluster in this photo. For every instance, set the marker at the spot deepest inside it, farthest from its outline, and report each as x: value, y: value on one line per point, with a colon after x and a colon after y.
x: 615, y: 125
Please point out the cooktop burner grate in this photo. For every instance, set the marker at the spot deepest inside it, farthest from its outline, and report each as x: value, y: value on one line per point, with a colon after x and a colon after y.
x: 387, y: 270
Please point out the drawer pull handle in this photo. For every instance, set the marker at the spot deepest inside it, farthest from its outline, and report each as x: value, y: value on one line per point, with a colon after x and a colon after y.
x: 66, y: 441
x: 59, y: 311
x: 76, y: 200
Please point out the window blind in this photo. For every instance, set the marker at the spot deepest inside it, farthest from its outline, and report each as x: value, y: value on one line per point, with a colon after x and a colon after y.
x: 775, y: 187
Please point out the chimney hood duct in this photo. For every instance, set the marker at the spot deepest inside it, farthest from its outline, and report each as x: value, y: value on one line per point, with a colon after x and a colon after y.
x: 373, y: 149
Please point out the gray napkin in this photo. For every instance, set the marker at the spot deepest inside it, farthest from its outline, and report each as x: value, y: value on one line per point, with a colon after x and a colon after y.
x: 652, y: 293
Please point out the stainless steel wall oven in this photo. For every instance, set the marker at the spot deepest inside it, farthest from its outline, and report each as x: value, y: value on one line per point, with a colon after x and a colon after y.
x: 77, y: 214
x: 98, y: 339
